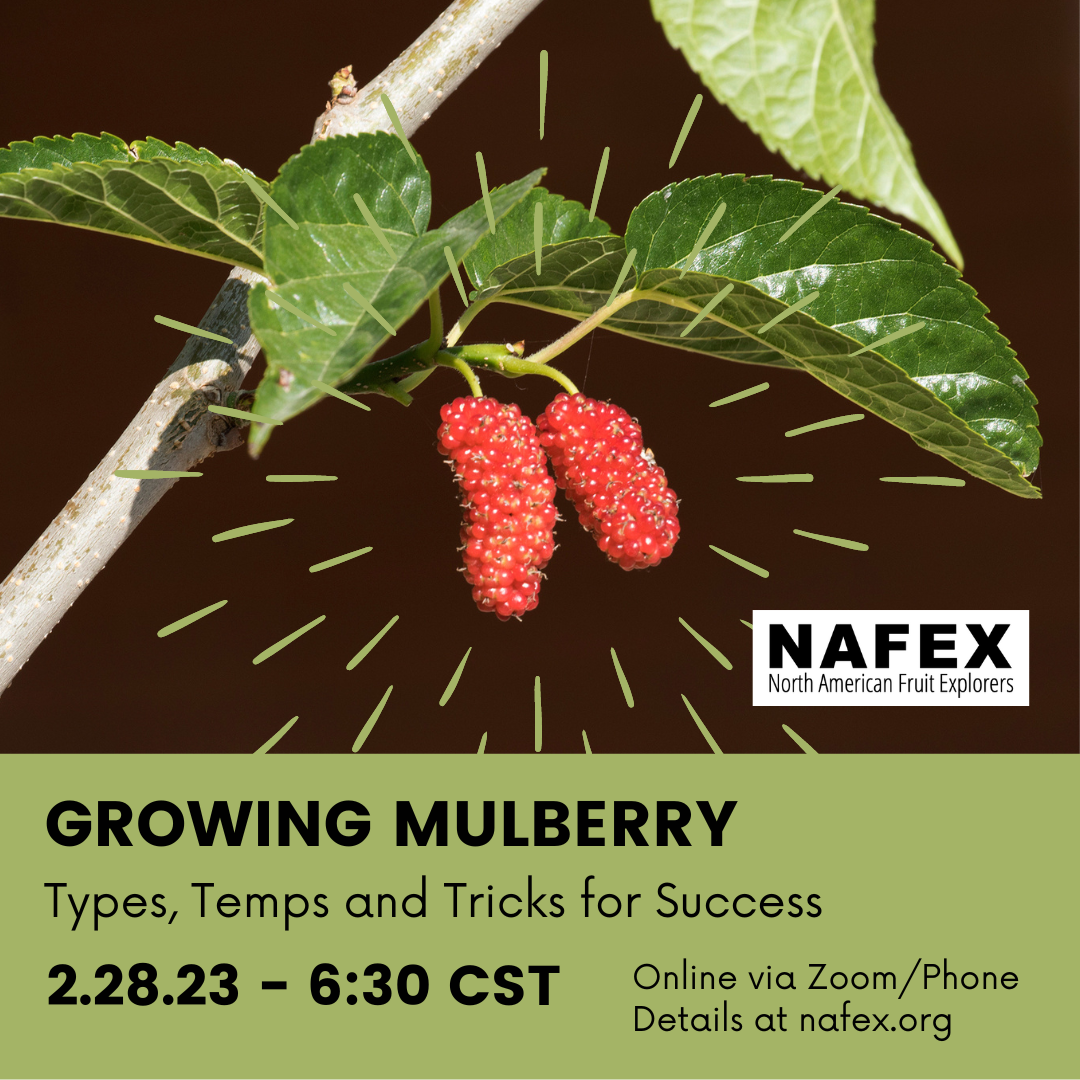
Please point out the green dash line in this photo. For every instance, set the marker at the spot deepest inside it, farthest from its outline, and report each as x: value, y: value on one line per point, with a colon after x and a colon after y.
x: 451, y: 686
x: 333, y: 391
x: 622, y: 680
x: 622, y: 273
x: 538, y: 232
x: 707, y: 308
x: 891, y: 337
x: 701, y: 727
x: 809, y: 298
x: 484, y: 188
x: 278, y: 646
x: 248, y: 530
x: 370, y: 310
x: 740, y: 562
x: 151, y: 474
x: 189, y: 329
x: 365, y: 731
x: 778, y: 478
x: 848, y: 418
x: 303, y: 315
x: 687, y: 124
x: 483, y: 743
x: 276, y: 738
x: 600, y: 174
x: 811, y: 212
x: 264, y: 196
x: 297, y: 478
x: 696, y: 250
x: 452, y: 263
x: 745, y: 623
x: 388, y: 105
x: 543, y: 88
x: 806, y: 747
x: 853, y: 545
x: 709, y: 647
x: 740, y: 395
x: 374, y: 225
x: 371, y: 644
x: 314, y: 569
x: 585, y: 740
x: 538, y: 718
x: 187, y: 620
x: 239, y: 414
x: 937, y: 481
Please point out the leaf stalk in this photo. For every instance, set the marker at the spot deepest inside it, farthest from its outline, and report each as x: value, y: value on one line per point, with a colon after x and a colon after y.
x: 430, y: 347
x: 585, y: 327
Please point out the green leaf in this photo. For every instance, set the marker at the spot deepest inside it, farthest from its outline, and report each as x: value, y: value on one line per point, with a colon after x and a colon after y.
x: 575, y: 279
x: 334, y: 247
x: 176, y: 197
x: 564, y: 220
x: 580, y: 259
x: 801, y: 74
x: 955, y: 385
x: 145, y: 149
x: 43, y: 152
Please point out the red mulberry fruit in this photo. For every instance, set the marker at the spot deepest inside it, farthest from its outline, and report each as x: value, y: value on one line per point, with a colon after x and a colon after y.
x: 621, y: 495
x: 508, y: 497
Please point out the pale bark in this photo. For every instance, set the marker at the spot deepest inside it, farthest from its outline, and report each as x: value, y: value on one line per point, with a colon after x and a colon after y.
x: 429, y: 70
x: 173, y: 430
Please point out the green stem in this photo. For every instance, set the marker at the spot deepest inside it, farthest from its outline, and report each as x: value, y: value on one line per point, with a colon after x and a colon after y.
x: 409, y: 368
x: 586, y: 326
x: 430, y: 347
x: 411, y: 382
x: 484, y: 354
x: 371, y: 377
x: 498, y: 358
x: 406, y: 369
x: 394, y: 390
x: 469, y: 376
x: 462, y: 324
x: 530, y: 367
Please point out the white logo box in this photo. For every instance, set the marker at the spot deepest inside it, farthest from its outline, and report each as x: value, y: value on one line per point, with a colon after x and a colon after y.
x: 865, y: 657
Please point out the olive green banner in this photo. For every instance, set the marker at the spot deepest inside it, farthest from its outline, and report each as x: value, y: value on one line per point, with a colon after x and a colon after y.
x: 547, y: 916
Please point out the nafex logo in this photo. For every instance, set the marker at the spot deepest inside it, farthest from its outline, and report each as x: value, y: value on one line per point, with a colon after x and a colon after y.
x: 891, y: 657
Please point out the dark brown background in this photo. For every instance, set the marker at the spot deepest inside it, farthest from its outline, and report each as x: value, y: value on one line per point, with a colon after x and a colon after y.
x: 988, y: 100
